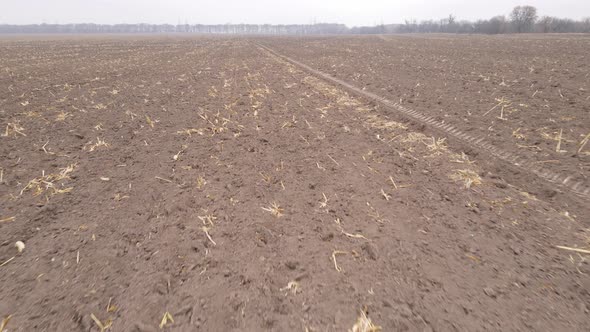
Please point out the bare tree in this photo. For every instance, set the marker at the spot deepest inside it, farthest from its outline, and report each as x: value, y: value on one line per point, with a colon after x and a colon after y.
x: 545, y: 24
x: 523, y: 18
x: 452, y: 19
x: 449, y: 24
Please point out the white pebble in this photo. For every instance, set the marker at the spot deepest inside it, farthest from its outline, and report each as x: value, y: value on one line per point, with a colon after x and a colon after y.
x: 20, y: 246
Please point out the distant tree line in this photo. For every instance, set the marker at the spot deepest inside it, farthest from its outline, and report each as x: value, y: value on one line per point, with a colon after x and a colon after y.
x: 522, y: 19
x: 264, y: 29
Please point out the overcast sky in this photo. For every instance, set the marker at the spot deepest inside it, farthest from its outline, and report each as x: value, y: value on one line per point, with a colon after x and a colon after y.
x: 349, y: 12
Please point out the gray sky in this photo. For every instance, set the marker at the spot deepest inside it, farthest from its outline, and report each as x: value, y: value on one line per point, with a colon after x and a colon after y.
x: 349, y: 12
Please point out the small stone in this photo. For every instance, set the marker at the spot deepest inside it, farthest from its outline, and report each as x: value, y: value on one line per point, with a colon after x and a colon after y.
x: 161, y: 289
x: 523, y: 280
x: 404, y: 310
x: 327, y: 237
x: 292, y: 265
x: 490, y: 292
x: 516, y: 250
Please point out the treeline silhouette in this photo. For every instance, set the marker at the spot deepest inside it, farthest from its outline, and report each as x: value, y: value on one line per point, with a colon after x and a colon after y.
x: 522, y: 19
x: 264, y: 29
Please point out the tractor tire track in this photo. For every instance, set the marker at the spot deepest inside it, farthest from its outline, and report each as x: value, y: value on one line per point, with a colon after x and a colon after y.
x: 569, y: 182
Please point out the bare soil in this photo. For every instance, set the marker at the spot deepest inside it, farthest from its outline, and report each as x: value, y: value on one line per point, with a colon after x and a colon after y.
x: 527, y: 94
x: 211, y: 183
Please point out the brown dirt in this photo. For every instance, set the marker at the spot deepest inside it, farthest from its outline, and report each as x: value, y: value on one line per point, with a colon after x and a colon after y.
x: 465, y: 81
x: 316, y: 205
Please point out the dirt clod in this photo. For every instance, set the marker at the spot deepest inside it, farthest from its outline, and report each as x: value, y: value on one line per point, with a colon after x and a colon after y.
x: 370, y: 250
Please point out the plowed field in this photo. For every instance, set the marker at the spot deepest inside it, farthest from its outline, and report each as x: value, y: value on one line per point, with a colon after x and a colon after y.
x: 206, y: 184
